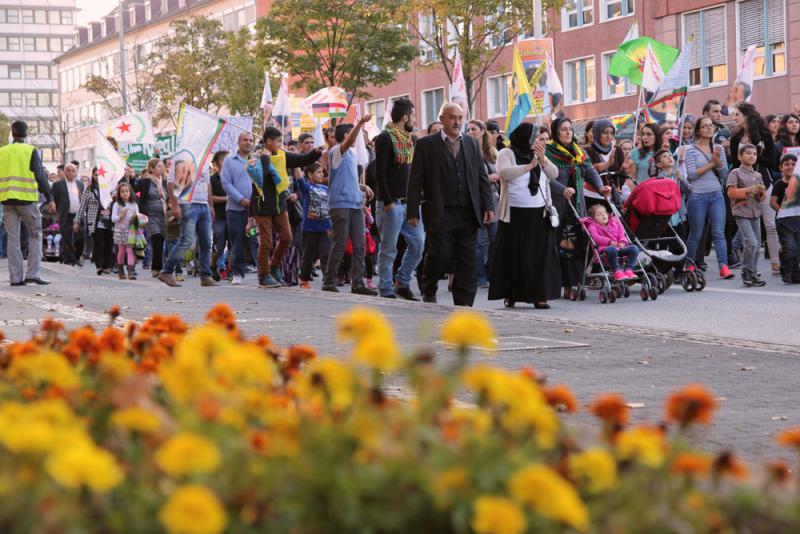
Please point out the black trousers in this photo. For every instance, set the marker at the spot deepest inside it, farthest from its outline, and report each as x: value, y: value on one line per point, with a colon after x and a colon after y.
x: 103, y: 248
x: 71, y: 243
x: 157, y: 245
x: 316, y: 246
x: 452, y: 249
x: 789, y: 236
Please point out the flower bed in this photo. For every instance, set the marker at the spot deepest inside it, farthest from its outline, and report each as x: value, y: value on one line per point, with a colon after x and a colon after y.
x: 159, y: 426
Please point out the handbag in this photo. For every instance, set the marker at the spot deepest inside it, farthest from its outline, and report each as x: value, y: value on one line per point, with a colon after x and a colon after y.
x: 136, y: 238
x: 550, y: 211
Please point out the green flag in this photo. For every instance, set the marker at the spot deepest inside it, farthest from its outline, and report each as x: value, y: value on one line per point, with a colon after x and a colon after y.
x: 629, y: 58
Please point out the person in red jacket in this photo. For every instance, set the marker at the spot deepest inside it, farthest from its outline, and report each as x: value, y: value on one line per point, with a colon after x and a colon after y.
x: 611, y: 240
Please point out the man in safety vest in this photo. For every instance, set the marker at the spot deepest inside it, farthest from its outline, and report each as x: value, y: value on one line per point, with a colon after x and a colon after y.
x: 22, y: 178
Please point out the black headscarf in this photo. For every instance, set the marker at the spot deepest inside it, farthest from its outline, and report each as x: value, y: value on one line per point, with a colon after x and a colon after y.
x: 554, y: 126
x: 520, y: 140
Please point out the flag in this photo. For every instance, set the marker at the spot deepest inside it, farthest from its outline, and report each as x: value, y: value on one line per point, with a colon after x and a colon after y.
x: 668, y: 98
x: 282, y: 112
x: 458, y: 88
x: 197, y: 133
x: 652, y: 74
x: 554, y: 99
x: 319, y: 135
x: 229, y: 136
x: 266, y: 99
x: 629, y: 59
x: 633, y: 33
x: 360, y: 147
x: 742, y: 88
x: 387, y: 114
x: 110, y: 167
x: 620, y: 121
x: 131, y: 128
x: 519, y: 94
x: 328, y: 103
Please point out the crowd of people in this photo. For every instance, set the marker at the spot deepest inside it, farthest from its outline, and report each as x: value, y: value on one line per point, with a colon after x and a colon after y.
x: 455, y: 203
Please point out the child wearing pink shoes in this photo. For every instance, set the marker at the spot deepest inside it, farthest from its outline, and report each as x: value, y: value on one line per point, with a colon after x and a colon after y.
x: 611, y: 240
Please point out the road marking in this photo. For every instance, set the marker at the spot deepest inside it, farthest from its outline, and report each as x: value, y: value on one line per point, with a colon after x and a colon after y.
x: 752, y: 292
x: 73, y: 312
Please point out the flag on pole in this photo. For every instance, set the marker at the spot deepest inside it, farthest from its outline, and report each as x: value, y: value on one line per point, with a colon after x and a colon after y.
x: 196, y: 135
x: 458, y: 88
x: 328, y: 103
x: 652, y: 74
x: 131, y: 128
x: 266, y: 99
x: 387, y: 114
x: 282, y: 110
x: 554, y: 99
x: 519, y: 94
x: 319, y: 136
x: 110, y: 167
x: 742, y: 88
x: 629, y: 59
x: 633, y: 33
x: 360, y: 146
x: 669, y: 97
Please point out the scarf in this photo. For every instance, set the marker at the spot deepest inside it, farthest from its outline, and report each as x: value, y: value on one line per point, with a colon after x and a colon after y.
x: 600, y: 126
x: 402, y: 142
x: 520, y: 140
x: 572, y: 159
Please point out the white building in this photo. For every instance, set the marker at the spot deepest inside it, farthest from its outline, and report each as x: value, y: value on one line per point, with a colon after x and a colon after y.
x: 32, y: 34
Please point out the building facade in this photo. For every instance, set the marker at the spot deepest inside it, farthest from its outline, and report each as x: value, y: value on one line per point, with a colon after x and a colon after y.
x: 32, y: 34
x: 97, y: 52
x: 586, y: 34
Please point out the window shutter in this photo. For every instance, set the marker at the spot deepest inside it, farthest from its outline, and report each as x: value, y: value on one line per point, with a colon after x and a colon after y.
x: 691, y: 27
x: 776, y: 21
x: 751, y: 23
x: 714, y: 38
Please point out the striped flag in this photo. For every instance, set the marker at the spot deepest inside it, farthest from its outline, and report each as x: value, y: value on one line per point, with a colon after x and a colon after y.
x: 668, y: 98
x: 328, y: 103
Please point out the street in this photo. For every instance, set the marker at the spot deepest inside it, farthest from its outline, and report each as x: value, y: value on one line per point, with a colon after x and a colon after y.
x: 742, y: 343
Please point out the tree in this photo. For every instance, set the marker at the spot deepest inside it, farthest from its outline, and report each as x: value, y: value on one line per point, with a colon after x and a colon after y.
x: 241, y: 79
x: 479, y: 29
x: 5, y: 129
x: 344, y: 43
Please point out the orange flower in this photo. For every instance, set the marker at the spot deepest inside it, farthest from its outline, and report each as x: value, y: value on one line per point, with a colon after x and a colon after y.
x: 779, y: 471
x: 51, y: 325
x: 258, y: 440
x: 17, y: 350
x: 2, y: 336
x: 691, y: 464
x: 611, y: 408
x: 529, y: 373
x: 222, y: 314
x: 789, y: 438
x: 727, y: 464
x: 111, y: 340
x: 263, y: 342
x: 300, y: 353
x: 114, y: 312
x: 693, y: 403
x: 561, y: 396
x: 208, y: 408
x: 71, y: 352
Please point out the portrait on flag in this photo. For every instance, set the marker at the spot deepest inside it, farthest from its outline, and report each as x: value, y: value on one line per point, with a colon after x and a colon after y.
x: 197, y: 133
x: 533, y: 53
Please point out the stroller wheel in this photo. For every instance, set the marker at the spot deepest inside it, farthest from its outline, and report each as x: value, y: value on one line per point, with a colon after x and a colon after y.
x: 612, y: 296
x: 661, y: 283
x: 616, y: 291
x: 670, y: 278
x: 582, y: 294
x: 701, y: 282
x: 603, y: 296
x: 653, y: 293
x: 643, y: 293
x: 626, y: 291
x: 653, y: 281
x: 687, y: 282
x: 508, y: 303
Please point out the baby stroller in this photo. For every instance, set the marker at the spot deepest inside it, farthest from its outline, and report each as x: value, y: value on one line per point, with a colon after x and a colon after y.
x: 51, y: 236
x: 597, y: 276
x: 649, y: 210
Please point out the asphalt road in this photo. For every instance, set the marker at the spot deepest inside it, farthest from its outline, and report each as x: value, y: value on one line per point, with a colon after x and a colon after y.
x: 742, y: 343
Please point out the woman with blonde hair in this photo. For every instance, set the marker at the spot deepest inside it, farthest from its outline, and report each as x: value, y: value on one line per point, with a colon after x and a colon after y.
x: 152, y: 189
x: 484, y: 250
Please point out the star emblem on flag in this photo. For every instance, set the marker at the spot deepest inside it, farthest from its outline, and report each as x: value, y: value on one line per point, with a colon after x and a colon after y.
x: 101, y: 171
x: 124, y: 127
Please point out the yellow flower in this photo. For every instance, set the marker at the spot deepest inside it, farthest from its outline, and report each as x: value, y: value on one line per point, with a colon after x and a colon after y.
x: 379, y: 351
x: 539, y: 417
x: 642, y: 444
x: 116, y: 367
x: 187, y: 376
x: 45, y: 368
x: 597, y: 467
x: 243, y: 365
x: 549, y: 494
x: 468, y: 329
x: 449, y: 483
x: 136, y: 419
x: 188, y: 453
x: 85, y: 465
x: 39, y: 427
x: 501, y: 387
x: 329, y: 381
x: 361, y: 322
x: 193, y: 510
x: 497, y: 515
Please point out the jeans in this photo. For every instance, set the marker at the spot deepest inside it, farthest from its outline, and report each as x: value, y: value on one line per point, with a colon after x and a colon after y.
x: 220, y: 240
x: 770, y: 228
x: 170, y: 244
x: 347, y: 223
x: 631, y: 253
x: 789, y: 234
x: 392, y: 224
x: 237, y: 221
x: 750, y: 230
x: 3, y: 240
x: 195, y: 221
x: 700, y: 206
x: 484, y: 251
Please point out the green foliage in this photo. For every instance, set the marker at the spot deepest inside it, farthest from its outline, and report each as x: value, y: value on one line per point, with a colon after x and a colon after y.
x: 5, y: 129
x: 241, y: 79
x: 346, y: 43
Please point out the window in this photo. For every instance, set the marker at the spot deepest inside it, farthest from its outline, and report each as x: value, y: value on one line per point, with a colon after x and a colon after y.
x: 614, y: 86
x: 10, y: 16
x: 498, y: 95
x: 55, y: 44
x: 3, y: 71
x: 4, y: 101
x: 432, y: 100
x: 576, y: 13
x: 376, y: 108
x: 30, y: 72
x: 54, y: 16
x: 66, y: 17
x: 229, y: 22
x: 579, y: 78
x: 43, y: 72
x: 27, y: 16
x: 13, y: 44
x: 3, y: 44
x: 15, y: 72
x: 66, y: 43
x: 40, y: 16
x: 612, y: 9
x: 754, y: 16
x: 28, y: 44
x: 41, y: 44
x: 709, y: 60
x: 428, y: 31
x: 30, y: 100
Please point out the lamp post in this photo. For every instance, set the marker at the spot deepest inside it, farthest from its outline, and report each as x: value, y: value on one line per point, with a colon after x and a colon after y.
x: 123, y: 83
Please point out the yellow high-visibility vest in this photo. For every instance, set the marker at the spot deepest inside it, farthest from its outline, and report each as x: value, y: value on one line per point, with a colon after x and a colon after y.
x: 17, y: 181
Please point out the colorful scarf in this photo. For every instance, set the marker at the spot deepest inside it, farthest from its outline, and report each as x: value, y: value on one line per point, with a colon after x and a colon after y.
x: 571, y: 158
x: 402, y: 142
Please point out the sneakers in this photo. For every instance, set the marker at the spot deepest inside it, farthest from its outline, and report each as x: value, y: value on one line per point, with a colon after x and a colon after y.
x: 268, y: 281
x: 406, y: 293
x: 330, y: 288
x: 725, y: 273
x: 277, y: 274
x: 750, y: 280
x: 619, y: 275
x: 305, y: 284
x: 629, y: 274
x: 208, y: 281
x: 689, y: 268
x: 363, y: 290
x: 237, y: 280
x: 168, y: 279
x: 179, y: 277
x: 370, y: 283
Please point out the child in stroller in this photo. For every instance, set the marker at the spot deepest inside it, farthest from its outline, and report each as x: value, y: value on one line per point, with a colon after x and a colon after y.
x: 51, y: 236
x: 612, y: 242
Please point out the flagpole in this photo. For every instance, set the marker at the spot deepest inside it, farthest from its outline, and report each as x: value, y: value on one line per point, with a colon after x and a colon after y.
x: 638, y: 108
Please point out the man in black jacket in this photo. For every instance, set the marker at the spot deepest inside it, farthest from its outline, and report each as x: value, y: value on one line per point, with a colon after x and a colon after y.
x: 67, y: 194
x: 394, y: 151
x: 449, y: 181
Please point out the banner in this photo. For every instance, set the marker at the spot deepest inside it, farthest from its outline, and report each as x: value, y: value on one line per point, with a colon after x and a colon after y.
x: 229, y: 136
x: 110, y: 167
x: 554, y: 91
x: 136, y: 155
x: 458, y: 89
x: 533, y: 53
x: 667, y: 101
x: 629, y: 58
x: 328, y: 103
x: 198, y: 131
x: 742, y: 88
x: 652, y: 73
x: 131, y: 128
